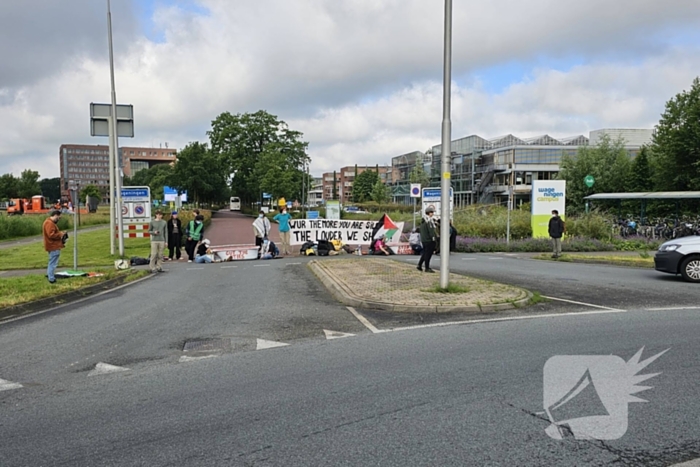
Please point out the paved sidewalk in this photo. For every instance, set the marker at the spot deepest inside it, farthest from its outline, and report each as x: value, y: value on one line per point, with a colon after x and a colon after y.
x: 381, y: 283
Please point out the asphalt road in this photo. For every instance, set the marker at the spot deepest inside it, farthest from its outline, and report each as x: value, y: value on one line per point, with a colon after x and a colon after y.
x: 455, y: 395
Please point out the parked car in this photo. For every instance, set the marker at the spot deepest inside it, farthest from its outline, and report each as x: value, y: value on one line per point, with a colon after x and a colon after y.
x: 680, y: 256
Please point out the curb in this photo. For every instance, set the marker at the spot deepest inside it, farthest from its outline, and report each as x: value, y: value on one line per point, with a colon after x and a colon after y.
x: 43, y: 305
x: 346, y: 297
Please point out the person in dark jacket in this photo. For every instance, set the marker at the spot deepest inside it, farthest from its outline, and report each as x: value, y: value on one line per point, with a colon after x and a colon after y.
x: 174, y: 236
x: 453, y: 237
x: 556, y: 231
x: 428, y: 236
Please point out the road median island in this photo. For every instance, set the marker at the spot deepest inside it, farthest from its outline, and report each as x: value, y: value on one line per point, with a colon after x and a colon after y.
x: 25, y: 295
x: 385, y: 284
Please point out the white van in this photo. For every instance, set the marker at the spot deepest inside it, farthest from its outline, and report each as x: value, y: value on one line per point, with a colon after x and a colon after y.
x: 235, y: 204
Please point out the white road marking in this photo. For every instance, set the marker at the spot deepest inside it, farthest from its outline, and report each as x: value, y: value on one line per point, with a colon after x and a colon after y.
x: 104, y: 368
x: 292, y: 264
x: 185, y: 358
x: 264, y: 344
x: 491, y: 257
x: 194, y: 269
x: 584, y: 304
x: 228, y: 267
x: 506, y: 318
x: 693, y: 463
x: 363, y: 320
x: 468, y: 259
x: 673, y: 308
x: 261, y: 265
x: 7, y: 385
x: 336, y: 334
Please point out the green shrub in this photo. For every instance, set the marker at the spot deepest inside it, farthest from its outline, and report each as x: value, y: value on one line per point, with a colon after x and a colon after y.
x: 492, y: 222
x: 591, y: 225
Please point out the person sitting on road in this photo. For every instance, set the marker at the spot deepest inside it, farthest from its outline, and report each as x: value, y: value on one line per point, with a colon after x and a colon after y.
x: 269, y: 250
x: 204, y: 254
x: 380, y: 247
x: 414, y: 242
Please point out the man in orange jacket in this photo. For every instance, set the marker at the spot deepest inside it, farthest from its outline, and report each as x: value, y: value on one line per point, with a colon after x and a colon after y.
x: 53, y: 243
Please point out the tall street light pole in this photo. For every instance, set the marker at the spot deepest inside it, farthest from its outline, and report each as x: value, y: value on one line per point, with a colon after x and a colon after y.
x: 116, y: 187
x: 446, y: 152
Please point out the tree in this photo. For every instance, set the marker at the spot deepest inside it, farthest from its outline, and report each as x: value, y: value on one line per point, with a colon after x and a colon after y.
x: 676, y: 143
x: 640, y: 178
x: 241, y: 140
x: 419, y: 175
x: 200, y: 172
x: 363, y: 185
x: 51, y: 188
x: 379, y: 193
x: 90, y: 190
x: 609, y: 164
x: 28, y: 185
x: 9, y: 186
x: 156, y: 178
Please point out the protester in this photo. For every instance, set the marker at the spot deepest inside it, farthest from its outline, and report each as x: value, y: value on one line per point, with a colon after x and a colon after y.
x: 380, y: 247
x: 414, y: 242
x: 556, y: 231
x: 269, y: 250
x: 204, y: 254
x: 53, y: 243
x: 193, y: 232
x: 261, y: 228
x: 174, y: 236
x: 283, y: 219
x: 157, y: 230
x: 428, y: 238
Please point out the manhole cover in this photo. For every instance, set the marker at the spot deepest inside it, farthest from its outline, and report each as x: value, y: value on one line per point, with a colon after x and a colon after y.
x: 207, y: 345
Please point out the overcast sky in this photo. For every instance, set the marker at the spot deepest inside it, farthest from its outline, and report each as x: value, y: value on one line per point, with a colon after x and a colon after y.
x: 362, y: 79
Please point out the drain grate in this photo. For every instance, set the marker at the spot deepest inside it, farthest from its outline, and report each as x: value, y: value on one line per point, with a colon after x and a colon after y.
x: 207, y: 345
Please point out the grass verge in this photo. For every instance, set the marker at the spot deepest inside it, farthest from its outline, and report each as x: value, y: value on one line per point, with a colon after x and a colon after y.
x: 631, y: 261
x: 451, y: 288
x: 93, y: 250
x: 25, y: 289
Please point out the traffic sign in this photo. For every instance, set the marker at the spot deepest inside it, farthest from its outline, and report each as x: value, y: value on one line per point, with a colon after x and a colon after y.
x: 125, y: 210
x: 415, y: 190
x: 432, y: 198
x: 139, y: 210
x: 589, y: 180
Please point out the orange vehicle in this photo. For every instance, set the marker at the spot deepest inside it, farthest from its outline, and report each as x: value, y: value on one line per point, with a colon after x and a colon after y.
x: 36, y: 205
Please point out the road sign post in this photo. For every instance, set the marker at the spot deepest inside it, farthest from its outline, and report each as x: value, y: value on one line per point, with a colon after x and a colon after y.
x: 415, y: 194
x: 446, y: 147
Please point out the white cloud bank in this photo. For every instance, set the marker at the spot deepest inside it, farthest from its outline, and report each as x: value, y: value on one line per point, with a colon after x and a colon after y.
x: 362, y: 78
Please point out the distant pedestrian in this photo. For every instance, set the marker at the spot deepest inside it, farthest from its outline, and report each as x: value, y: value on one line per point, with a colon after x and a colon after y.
x: 261, y: 228
x: 193, y: 232
x: 283, y: 219
x: 158, y: 231
x: 53, y: 243
x: 204, y: 254
x: 428, y: 238
x: 174, y: 236
x: 556, y: 231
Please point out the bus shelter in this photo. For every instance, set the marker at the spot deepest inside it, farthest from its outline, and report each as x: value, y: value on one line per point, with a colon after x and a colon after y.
x: 643, y: 197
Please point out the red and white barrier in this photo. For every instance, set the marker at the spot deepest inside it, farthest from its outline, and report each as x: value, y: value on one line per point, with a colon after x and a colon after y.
x: 134, y: 231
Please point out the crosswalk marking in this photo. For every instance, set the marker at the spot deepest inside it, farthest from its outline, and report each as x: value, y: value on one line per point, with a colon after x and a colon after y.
x: 7, y: 385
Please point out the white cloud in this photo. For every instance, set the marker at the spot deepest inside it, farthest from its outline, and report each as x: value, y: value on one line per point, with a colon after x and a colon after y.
x: 362, y: 79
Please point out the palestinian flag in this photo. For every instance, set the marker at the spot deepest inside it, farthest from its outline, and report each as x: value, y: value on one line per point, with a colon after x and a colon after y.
x: 385, y: 227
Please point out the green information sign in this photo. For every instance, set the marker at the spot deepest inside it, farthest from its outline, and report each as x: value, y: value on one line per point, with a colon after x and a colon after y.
x: 589, y: 180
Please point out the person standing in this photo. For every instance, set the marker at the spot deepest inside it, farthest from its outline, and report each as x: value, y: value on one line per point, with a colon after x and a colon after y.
x: 194, y: 231
x: 453, y: 237
x: 261, y: 228
x: 556, y: 231
x: 174, y: 236
x: 158, y: 230
x: 428, y: 237
x: 283, y: 220
x: 53, y: 243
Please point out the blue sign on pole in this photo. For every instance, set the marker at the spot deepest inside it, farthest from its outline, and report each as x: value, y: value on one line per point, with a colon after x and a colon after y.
x: 312, y: 214
x: 267, y: 196
x: 289, y: 205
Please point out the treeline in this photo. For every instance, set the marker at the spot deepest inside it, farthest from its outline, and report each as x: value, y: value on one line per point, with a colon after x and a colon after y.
x: 28, y: 185
x: 670, y: 163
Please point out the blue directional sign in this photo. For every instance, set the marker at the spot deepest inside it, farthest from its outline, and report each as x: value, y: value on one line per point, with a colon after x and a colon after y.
x: 136, y: 193
x: 312, y: 214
